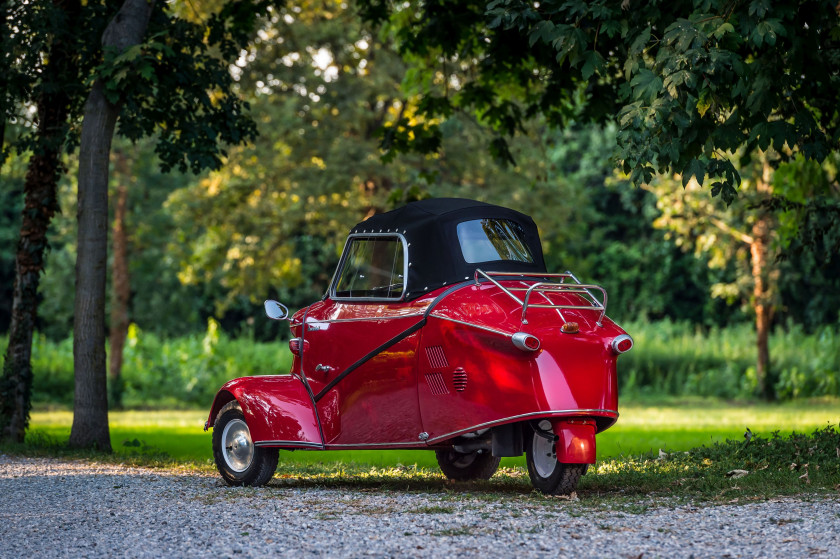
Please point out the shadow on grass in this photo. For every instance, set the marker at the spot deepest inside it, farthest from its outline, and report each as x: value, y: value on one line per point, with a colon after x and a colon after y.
x: 732, y: 471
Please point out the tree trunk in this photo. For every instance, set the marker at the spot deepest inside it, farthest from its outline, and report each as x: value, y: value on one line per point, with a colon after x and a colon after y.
x: 762, y: 287
x: 90, y: 405
x: 40, y: 205
x: 120, y: 286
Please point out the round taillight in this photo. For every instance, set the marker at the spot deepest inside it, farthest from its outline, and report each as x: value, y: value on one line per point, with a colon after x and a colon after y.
x: 525, y: 342
x: 622, y: 343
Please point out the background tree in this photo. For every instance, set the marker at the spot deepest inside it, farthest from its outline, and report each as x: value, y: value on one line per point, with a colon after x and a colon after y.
x: 42, y: 55
x: 176, y: 85
x: 689, y: 82
x: 179, y: 89
x: 747, y: 237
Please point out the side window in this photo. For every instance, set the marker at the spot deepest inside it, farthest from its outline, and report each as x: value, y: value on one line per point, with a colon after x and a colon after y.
x: 487, y: 240
x: 372, y: 268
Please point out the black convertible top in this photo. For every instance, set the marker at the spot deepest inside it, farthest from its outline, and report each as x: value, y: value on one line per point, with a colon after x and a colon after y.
x: 434, y: 251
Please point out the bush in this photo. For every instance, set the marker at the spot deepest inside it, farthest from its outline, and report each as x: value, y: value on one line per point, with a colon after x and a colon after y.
x: 668, y: 359
x: 683, y: 359
x: 185, y: 371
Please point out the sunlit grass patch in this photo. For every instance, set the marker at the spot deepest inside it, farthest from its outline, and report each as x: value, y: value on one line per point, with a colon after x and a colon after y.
x: 756, y: 467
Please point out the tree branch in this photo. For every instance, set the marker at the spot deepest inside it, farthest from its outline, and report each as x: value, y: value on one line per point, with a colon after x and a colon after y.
x: 726, y: 228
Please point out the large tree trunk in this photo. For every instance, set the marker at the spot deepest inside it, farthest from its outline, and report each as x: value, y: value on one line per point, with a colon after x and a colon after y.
x: 40, y: 204
x: 120, y: 286
x: 90, y: 406
x: 762, y: 286
x: 39, y: 207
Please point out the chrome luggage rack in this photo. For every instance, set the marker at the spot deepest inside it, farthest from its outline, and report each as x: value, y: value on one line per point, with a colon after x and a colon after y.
x: 550, y: 287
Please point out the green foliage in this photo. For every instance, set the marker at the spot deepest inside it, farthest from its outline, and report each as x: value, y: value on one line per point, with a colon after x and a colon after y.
x: 689, y: 82
x: 182, y: 372
x: 11, y: 204
x: 682, y: 359
x: 667, y: 359
x: 777, y: 465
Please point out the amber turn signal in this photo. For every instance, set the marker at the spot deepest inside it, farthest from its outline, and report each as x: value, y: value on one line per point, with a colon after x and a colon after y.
x: 570, y: 328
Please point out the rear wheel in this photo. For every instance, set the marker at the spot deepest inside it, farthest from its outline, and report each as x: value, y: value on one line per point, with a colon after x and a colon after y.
x: 546, y: 473
x: 239, y: 461
x: 460, y: 466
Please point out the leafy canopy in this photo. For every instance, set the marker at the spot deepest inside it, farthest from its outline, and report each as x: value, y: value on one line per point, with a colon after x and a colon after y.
x: 690, y: 82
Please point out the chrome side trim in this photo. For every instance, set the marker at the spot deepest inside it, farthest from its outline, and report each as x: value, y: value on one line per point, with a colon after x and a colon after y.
x: 419, y: 444
x: 549, y: 413
x: 305, y: 444
x: 486, y: 328
x: 342, y: 262
x: 368, y: 319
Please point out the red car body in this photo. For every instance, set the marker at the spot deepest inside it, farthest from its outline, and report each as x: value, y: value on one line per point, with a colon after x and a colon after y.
x: 475, y: 365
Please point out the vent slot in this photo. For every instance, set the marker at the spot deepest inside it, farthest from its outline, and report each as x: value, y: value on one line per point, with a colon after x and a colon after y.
x: 459, y: 379
x: 436, y: 357
x: 437, y: 386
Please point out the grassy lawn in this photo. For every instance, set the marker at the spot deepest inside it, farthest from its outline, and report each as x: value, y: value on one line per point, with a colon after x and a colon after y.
x: 642, y: 428
x: 630, y: 469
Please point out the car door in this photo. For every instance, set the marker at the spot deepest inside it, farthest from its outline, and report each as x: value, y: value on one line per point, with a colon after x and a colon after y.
x: 362, y: 353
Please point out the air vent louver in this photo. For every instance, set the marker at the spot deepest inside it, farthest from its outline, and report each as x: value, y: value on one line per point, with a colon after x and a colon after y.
x: 436, y: 357
x: 459, y: 379
x: 437, y: 385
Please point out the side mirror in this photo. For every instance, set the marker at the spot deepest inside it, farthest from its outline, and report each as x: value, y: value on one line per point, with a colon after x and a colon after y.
x: 275, y: 310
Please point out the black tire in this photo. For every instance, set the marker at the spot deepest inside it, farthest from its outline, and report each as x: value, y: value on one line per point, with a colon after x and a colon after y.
x: 238, y: 460
x: 458, y: 466
x: 547, y: 474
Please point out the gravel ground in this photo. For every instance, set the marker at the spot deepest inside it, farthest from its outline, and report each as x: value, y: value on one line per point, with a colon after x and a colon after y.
x: 59, y: 508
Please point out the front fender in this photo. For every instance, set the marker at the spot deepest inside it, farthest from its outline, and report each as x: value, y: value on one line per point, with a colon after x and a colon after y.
x: 278, y: 410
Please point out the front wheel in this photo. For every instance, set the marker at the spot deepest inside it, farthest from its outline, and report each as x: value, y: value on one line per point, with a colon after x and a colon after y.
x: 546, y: 473
x: 460, y: 466
x: 239, y: 461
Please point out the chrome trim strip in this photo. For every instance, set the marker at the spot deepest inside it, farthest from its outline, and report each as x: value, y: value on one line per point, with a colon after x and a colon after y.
x: 420, y: 444
x: 486, y: 328
x: 549, y: 413
x: 306, y: 444
x: 370, y: 318
x: 341, y: 263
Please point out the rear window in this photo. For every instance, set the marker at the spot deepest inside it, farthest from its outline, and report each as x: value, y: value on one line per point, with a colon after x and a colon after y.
x: 488, y: 240
x: 373, y: 268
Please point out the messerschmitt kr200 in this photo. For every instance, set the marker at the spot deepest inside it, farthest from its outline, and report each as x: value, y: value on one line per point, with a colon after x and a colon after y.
x: 441, y: 330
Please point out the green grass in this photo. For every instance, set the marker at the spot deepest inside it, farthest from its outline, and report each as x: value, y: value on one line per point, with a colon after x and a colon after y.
x: 695, y: 465
x: 671, y: 426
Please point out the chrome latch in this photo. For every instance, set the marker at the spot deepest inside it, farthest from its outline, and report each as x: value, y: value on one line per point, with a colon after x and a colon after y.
x: 424, y: 436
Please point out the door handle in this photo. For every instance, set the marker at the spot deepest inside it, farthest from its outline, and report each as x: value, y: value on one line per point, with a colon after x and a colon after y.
x: 323, y: 369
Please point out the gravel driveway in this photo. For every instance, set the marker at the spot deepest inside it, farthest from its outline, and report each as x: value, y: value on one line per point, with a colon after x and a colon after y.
x: 59, y: 508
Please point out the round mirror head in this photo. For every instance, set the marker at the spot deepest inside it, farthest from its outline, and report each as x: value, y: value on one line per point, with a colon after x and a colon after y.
x: 275, y: 310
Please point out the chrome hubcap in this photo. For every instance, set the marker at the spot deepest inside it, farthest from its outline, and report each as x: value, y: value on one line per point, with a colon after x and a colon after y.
x: 237, y: 447
x: 544, y: 456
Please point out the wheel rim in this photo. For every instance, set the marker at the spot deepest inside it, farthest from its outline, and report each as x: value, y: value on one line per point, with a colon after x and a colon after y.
x: 543, y: 455
x: 237, y: 447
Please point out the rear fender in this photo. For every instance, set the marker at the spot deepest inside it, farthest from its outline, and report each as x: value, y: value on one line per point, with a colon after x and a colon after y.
x: 277, y: 409
x: 575, y: 440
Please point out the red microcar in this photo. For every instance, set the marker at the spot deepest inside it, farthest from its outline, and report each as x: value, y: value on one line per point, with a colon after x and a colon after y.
x: 441, y: 330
